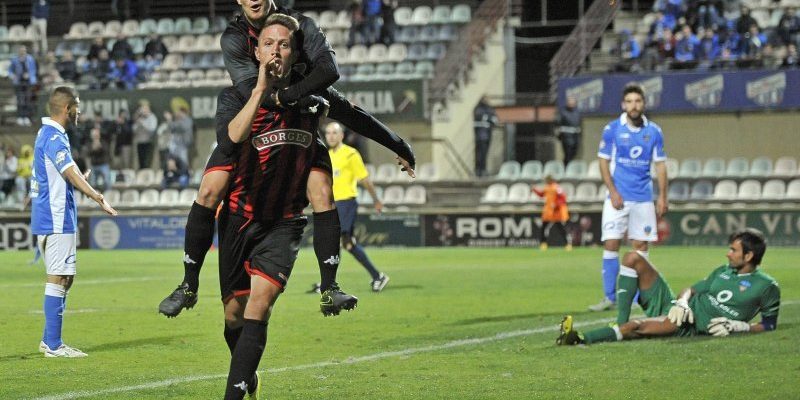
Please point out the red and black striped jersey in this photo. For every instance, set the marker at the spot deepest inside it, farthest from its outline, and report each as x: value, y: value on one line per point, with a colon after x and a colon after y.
x: 271, y: 167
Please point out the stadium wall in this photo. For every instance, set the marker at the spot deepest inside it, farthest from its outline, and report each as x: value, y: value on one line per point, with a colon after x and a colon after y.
x: 724, y: 135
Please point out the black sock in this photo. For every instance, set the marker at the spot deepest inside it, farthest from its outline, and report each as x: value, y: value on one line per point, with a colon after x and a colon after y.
x: 326, y: 246
x: 198, y: 239
x: 232, y: 337
x: 245, y: 359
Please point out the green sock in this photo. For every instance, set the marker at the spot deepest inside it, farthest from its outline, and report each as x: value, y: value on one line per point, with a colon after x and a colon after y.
x: 606, y: 334
x: 627, y: 285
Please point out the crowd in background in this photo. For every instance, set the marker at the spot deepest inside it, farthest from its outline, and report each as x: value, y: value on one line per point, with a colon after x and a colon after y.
x: 371, y: 22
x: 708, y: 34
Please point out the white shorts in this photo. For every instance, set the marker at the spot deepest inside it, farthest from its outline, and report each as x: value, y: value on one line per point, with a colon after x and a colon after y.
x: 59, y: 251
x: 637, y: 218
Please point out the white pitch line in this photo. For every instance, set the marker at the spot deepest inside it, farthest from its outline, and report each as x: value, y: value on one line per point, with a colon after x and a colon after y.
x: 87, y: 282
x: 349, y: 360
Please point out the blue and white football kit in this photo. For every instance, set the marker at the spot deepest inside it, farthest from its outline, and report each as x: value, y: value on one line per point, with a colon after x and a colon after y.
x: 631, y: 152
x: 54, y: 221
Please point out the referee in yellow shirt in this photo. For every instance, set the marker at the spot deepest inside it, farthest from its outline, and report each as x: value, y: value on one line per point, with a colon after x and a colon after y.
x: 349, y: 170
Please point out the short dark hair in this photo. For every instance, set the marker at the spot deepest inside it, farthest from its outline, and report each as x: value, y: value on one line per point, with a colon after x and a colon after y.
x: 62, y: 96
x: 752, y: 241
x: 633, y: 88
x: 282, y: 19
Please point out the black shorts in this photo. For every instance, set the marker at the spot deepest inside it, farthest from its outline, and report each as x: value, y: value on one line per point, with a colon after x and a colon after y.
x: 249, y: 248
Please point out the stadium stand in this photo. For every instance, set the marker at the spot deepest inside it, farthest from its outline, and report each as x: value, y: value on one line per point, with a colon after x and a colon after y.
x: 519, y: 193
x: 509, y: 171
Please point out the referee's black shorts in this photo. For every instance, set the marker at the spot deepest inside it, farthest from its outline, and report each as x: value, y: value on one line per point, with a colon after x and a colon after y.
x: 248, y: 247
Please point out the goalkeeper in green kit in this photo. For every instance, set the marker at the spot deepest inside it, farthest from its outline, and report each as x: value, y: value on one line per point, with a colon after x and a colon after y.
x: 722, y: 304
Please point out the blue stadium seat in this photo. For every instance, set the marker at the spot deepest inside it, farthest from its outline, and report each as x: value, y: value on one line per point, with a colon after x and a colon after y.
x: 701, y: 190
x: 679, y: 190
x: 435, y: 51
x: 737, y: 167
x: 448, y: 33
x: 761, y: 167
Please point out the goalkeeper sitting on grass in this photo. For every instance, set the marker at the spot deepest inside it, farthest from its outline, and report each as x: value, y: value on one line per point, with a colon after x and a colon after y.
x: 719, y: 305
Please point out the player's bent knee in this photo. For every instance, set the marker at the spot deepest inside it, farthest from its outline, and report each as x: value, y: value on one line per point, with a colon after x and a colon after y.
x: 632, y: 259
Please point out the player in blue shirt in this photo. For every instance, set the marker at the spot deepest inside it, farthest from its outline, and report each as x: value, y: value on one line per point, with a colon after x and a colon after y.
x: 54, y: 213
x: 629, y: 146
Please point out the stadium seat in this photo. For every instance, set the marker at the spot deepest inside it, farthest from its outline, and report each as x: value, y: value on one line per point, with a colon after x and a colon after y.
x: 146, y: 177
x: 554, y: 168
x: 327, y: 19
x: 495, y: 193
x: 793, y: 189
x: 531, y: 170
x: 196, y: 77
x: 441, y: 15
x: 77, y: 30
x: 404, y: 70
x: 96, y: 28
x: 428, y: 33
x: 397, y: 52
x: 426, y: 172
x: 586, y: 192
x: 407, y: 34
x: 336, y: 37
x: 690, y: 168
x: 424, y: 70
x: 130, y: 197
x: 393, y: 195
x: 421, y: 15
x: 371, y: 170
x: 519, y: 193
x: 435, y: 51
x: 358, y: 54
x: 725, y: 190
x: 384, y: 71
x: 737, y: 168
x: 377, y: 53
x: 749, y: 189
x: 343, y: 20
x: 509, y: 170
x: 461, y: 14
x: 415, y: 194
x: 672, y: 168
x: 169, y: 197
x: 112, y: 28
x: 701, y: 190
x: 166, y: 26
x: 713, y: 168
x: 593, y: 171
x: 774, y: 189
x: 170, y: 41
x: 365, y: 198
x: 785, y: 167
x: 201, y: 25
x: 219, y: 23
x: 364, y: 72
x: 137, y: 44
x: 448, y: 33
x: 214, y: 75
x: 125, y: 177
x: 385, y: 173
x: 148, y: 26
x: 4, y: 32
x: 416, y: 52
x: 112, y: 196
x: 191, y: 60
x: 183, y: 26
x: 761, y: 167
x: 576, y: 169
x: 130, y: 28
x: 679, y: 190
x: 568, y: 189
x: 402, y: 16
x: 203, y: 43
x: 177, y: 79
x: 185, y: 44
x: 187, y: 196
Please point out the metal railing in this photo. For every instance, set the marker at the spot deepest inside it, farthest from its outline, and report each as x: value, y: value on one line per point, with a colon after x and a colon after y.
x: 581, y: 41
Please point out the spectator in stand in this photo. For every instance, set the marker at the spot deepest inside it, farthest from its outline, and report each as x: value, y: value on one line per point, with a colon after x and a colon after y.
x: 48, y: 70
x: 674, y: 10
x: 99, y: 158
x: 358, y: 29
x: 22, y: 72
x: 155, y: 48
x: 176, y: 175
x: 686, y: 49
x: 745, y: 21
x: 372, y: 19
x: 24, y: 170
x: 98, y: 71
x: 753, y: 43
x: 657, y: 28
x: 122, y: 131
x: 144, y: 132
x: 791, y: 59
x: 67, y: 68
x: 164, y: 133
x: 568, y: 129
x: 629, y: 52
x: 98, y: 45
x: 666, y: 47
x: 484, y: 120
x: 122, y: 49
x: 40, y: 11
x: 708, y: 49
x: 8, y: 171
x: 124, y: 74
x: 788, y: 27
x: 389, y: 27
x: 181, y: 135
x: 707, y: 14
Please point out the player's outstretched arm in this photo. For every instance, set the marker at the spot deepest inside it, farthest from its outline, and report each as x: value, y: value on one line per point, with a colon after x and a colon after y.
x: 77, y: 179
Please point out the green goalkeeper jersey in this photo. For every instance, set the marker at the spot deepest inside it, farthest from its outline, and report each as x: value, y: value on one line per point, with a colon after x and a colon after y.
x: 739, y: 297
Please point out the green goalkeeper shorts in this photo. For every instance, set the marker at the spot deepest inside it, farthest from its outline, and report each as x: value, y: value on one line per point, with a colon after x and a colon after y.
x: 657, y: 300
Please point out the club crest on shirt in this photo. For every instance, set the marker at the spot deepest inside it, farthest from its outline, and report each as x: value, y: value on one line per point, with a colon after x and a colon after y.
x: 744, y: 285
x: 279, y: 137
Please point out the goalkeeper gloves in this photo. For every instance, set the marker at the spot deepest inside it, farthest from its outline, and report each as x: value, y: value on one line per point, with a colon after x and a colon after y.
x: 680, y: 312
x: 722, y: 326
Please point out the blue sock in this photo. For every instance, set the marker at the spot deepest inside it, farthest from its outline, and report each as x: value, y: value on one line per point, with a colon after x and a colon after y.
x: 54, y: 296
x: 610, y: 272
x: 358, y: 252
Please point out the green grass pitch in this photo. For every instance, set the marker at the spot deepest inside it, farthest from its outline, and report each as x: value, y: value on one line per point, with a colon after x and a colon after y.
x: 453, y: 323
